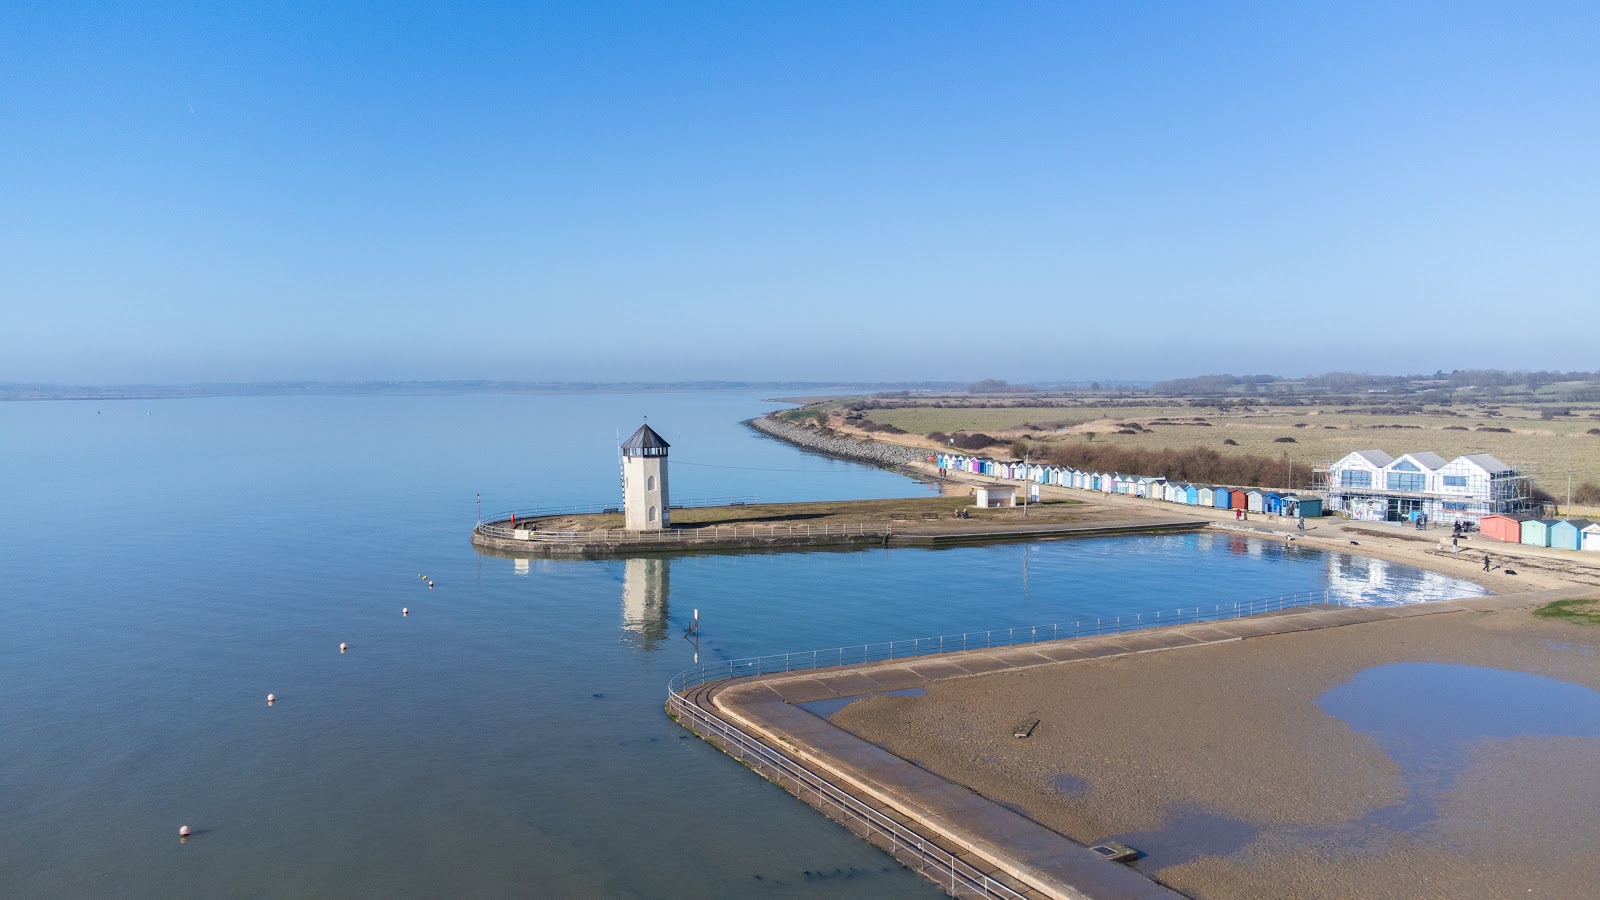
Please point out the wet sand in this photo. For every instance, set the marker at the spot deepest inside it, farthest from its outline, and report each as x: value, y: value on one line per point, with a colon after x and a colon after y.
x: 1267, y: 796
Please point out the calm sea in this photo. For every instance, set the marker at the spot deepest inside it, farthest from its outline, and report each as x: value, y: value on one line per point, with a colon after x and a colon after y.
x: 164, y: 565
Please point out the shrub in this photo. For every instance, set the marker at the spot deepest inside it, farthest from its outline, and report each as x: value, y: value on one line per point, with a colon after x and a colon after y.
x: 1283, y: 440
x: 1230, y: 442
x: 1462, y: 428
x: 938, y: 437
x: 1593, y: 431
x: 977, y: 441
x: 1496, y: 430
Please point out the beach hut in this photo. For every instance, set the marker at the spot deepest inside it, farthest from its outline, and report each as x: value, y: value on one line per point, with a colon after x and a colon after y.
x: 1591, y: 537
x: 1272, y: 502
x: 1501, y: 528
x: 1108, y: 482
x: 1536, y: 532
x: 1191, y: 494
x: 1253, y: 501
x: 1240, y: 498
x: 1205, y: 496
x: 1222, y: 498
x: 994, y: 495
x: 1568, y: 535
x: 1295, y: 506
x: 1172, y: 492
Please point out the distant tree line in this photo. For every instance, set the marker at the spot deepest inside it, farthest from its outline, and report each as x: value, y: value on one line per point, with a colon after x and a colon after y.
x: 1347, y: 382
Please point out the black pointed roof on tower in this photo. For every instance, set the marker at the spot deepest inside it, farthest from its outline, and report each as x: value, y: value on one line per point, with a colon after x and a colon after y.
x: 645, y: 439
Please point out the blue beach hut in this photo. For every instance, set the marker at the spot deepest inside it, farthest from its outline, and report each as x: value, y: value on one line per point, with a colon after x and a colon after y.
x: 1222, y: 498
x: 1568, y: 535
x: 1191, y: 494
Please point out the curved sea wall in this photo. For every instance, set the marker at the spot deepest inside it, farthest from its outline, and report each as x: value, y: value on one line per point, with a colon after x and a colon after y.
x: 874, y: 452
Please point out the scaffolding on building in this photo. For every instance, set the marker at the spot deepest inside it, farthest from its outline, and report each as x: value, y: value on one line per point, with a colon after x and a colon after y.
x: 1497, y: 493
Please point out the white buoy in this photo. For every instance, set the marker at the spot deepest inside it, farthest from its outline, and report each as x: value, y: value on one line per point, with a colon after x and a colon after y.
x: 430, y: 585
x: 341, y: 646
x: 183, y: 831
x: 405, y: 611
x: 271, y: 699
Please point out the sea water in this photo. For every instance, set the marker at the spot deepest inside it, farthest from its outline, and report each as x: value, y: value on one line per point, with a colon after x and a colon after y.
x: 164, y: 565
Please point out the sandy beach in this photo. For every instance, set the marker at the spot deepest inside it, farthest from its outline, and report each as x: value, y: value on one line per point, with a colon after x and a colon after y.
x: 1276, y: 797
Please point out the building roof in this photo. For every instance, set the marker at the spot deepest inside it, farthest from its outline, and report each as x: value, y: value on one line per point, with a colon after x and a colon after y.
x: 1579, y: 524
x: 1487, y: 462
x: 1429, y: 459
x: 645, y: 439
x: 1376, y: 457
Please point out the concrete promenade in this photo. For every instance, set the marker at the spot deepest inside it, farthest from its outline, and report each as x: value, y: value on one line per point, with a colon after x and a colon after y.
x: 1029, y: 859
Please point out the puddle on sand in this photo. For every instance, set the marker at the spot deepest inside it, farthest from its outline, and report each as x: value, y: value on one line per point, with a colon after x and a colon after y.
x: 1069, y: 785
x: 1585, y: 649
x: 1427, y: 715
x: 1186, y: 836
x: 826, y: 708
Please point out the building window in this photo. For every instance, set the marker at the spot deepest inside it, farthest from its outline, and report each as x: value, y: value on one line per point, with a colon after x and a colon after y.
x: 1455, y: 481
x: 1405, y: 465
x: 650, y: 483
x: 1405, y: 481
x: 1454, y: 506
x: 651, y: 515
x: 1353, y: 478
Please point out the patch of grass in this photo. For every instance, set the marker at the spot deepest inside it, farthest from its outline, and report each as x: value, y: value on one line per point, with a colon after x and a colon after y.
x: 1584, y: 611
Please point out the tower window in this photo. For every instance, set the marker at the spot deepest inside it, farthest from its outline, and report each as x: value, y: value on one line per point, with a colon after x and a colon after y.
x: 651, y: 516
x: 650, y: 483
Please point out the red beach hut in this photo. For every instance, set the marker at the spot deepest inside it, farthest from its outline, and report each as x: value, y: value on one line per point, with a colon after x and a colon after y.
x: 1501, y: 528
x: 1240, y: 499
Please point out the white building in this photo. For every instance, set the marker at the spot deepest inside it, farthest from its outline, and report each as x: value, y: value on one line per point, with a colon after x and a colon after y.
x: 1373, y: 486
x: 991, y: 496
x: 644, y: 481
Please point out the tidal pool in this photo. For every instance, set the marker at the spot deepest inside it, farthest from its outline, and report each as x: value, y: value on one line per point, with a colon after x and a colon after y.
x: 1427, y: 717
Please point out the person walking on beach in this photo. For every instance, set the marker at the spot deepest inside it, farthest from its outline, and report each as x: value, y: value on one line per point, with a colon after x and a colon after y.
x: 1486, y: 562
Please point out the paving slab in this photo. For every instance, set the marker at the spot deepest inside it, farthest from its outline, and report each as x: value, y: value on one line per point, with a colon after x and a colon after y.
x: 850, y: 684
x: 800, y: 690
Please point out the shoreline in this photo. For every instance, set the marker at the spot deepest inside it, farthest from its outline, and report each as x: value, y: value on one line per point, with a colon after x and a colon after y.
x: 1533, y: 569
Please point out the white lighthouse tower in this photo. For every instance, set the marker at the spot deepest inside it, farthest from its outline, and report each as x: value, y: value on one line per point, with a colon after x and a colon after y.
x: 644, y: 481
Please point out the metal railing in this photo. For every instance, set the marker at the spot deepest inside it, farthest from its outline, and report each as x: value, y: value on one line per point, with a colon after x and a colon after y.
x: 951, y: 873
x: 676, y: 535
x: 1001, y: 637
x: 956, y: 876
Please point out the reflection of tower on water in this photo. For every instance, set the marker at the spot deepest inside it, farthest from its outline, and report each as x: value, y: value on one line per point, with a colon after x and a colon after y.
x: 645, y: 582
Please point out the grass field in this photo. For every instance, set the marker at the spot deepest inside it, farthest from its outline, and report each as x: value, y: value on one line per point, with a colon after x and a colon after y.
x: 842, y: 512
x: 1549, y: 449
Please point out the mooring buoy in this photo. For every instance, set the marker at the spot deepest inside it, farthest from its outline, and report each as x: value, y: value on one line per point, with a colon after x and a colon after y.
x: 405, y: 611
x: 271, y: 699
x: 183, y: 831
x: 341, y: 646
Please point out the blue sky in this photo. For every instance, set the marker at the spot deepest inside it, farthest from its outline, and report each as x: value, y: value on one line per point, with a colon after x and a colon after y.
x: 795, y: 190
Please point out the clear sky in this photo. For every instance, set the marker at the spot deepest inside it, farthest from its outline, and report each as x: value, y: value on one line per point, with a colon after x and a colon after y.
x: 802, y: 190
